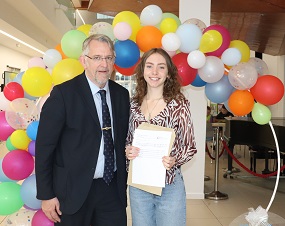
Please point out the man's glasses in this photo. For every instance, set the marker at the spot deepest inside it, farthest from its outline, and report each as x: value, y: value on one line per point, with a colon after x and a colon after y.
x: 99, y: 59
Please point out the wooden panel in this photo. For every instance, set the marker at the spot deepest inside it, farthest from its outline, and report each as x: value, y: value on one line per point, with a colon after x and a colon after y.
x: 264, y: 33
x: 112, y: 7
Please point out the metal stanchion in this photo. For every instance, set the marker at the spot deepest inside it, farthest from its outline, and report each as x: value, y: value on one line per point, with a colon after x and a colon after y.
x: 216, y: 195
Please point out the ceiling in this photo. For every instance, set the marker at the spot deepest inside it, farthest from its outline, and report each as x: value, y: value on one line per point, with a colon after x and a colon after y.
x: 259, y: 23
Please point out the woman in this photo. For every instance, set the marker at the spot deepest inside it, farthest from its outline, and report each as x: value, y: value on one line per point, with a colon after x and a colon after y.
x: 159, y: 101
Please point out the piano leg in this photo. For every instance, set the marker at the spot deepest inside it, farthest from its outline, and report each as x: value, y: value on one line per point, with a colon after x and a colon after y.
x: 266, y: 159
x: 230, y: 160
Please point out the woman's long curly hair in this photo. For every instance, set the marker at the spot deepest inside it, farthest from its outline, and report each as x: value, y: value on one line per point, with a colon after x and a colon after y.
x: 171, y: 87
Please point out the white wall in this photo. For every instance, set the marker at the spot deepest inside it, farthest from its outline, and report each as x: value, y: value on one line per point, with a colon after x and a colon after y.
x: 13, y: 59
x: 194, y: 170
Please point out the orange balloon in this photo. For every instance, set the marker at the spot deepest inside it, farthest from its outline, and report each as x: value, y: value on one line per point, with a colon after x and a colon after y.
x: 149, y: 37
x: 241, y: 102
x: 58, y: 48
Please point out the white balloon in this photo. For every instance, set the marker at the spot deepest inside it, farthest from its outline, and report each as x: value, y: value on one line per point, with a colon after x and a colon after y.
x: 51, y: 57
x: 231, y: 56
x: 243, y: 76
x: 151, y: 15
x: 190, y: 36
x: 170, y: 42
x: 197, y: 22
x: 259, y: 65
x: 213, y: 70
x: 196, y: 59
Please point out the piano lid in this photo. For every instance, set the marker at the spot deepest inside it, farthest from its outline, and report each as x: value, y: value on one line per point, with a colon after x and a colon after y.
x: 244, y: 130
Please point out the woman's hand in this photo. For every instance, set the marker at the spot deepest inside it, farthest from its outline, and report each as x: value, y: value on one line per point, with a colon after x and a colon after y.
x: 131, y: 152
x: 168, y: 162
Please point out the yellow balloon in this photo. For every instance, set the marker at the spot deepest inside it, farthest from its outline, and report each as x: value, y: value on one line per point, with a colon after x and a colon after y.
x: 19, y: 139
x: 243, y: 48
x: 85, y: 28
x: 210, y: 41
x: 65, y: 70
x: 37, y: 81
x: 132, y: 19
x: 168, y: 25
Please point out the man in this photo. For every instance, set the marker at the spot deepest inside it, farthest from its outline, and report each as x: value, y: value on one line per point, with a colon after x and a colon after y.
x: 223, y: 113
x: 70, y: 150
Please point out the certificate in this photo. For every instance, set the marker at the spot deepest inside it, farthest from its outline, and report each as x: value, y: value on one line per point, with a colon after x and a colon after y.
x: 147, y: 171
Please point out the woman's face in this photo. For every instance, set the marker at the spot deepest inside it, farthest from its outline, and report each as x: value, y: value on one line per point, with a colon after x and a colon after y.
x: 155, y: 70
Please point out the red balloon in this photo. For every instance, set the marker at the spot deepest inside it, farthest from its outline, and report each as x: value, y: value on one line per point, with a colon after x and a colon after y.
x: 185, y: 72
x: 126, y: 71
x: 268, y: 90
x: 13, y: 90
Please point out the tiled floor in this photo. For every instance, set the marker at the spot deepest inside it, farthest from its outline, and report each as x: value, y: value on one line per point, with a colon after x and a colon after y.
x: 243, y: 191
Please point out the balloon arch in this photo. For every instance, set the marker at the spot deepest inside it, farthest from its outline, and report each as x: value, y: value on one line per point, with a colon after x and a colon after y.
x: 204, y: 55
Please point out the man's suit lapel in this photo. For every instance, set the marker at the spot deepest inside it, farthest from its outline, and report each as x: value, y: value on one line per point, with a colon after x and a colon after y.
x: 86, y: 94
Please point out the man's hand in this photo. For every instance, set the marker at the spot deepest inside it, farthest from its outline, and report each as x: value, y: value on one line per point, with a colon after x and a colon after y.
x: 51, y: 209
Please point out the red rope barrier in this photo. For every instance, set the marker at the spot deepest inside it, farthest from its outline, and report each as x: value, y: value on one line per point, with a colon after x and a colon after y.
x: 211, y: 157
x: 245, y: 168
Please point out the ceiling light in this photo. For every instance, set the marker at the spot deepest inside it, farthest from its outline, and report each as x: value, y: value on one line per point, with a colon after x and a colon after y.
x: 22, y: 42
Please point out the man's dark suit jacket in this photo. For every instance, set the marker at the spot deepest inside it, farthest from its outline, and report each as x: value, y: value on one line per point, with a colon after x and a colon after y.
x: 68, y: 141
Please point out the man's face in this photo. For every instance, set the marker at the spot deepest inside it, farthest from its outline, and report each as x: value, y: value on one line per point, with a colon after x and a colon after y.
x: 99, y: 64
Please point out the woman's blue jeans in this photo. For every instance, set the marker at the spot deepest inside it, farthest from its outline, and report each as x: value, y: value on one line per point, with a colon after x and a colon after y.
x: 169, y: 209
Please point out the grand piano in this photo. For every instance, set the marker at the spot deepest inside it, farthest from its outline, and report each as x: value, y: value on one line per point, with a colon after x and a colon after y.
x: 244, y: 131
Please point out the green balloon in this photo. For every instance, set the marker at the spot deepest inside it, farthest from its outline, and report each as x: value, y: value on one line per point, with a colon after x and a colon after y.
x: 261, y: 114
x: 173, y: 16
x: 169, y: 15
x: 71, y: 43
x: 9, y: 145
x: 10, y: 198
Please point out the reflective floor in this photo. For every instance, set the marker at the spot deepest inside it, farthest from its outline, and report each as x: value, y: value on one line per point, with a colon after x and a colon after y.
x: 244, y: 191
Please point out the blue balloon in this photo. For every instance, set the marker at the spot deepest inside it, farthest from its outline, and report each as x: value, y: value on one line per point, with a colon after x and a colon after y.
x: 127, y: 53
x: 32, y: 130
x: 18, y: 77
x: 28, y: 193
x: 220, y: 91
x: 198, y: 82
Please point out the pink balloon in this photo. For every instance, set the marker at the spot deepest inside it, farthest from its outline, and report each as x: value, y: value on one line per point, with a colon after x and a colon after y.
x: 5, y: 129
x: 226, y: 39
x: 36, y: 62
x: 18, y: 164
x: 122, y: 31
x: 40, y: 219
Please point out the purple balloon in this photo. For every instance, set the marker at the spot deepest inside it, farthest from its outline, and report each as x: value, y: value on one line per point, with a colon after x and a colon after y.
x: 31, y: 148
